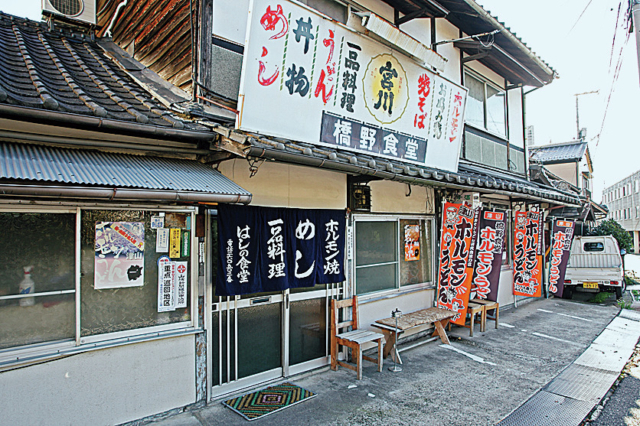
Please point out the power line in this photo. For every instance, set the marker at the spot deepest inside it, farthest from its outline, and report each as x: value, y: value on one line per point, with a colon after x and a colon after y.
x: 579, y: 17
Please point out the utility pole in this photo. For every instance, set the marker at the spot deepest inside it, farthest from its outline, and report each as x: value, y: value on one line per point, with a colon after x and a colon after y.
x: 577, y: 109
x: 635, y: 14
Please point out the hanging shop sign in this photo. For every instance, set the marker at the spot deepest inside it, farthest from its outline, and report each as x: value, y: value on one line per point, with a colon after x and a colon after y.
x: 344, y: 90
x: 527, y: 254
x: 456, y: 259
x: 119, y: 255
x: 272, y: 249
x: 490, y: 228
x: 561, y: 239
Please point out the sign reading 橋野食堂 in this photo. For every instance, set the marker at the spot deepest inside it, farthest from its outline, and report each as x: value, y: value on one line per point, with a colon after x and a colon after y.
x: 265, y: 249
x: 311, y: 79
x: 561, y: 238
x: 456, y: 259
x: 527, y: 255
x: 491, y: 229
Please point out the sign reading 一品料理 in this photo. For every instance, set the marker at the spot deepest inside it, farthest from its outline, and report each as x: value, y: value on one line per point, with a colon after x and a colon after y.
x: 311, y: 79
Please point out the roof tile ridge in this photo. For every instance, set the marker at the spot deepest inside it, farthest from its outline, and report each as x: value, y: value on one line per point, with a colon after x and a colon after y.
x: 48, y: 101
x: 135, y: 92
x: 71, y: 82
x: 140, y: 118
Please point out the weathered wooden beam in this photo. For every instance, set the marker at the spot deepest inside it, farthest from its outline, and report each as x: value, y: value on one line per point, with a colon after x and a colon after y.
x: 205, y: 29
x: 476, y: 57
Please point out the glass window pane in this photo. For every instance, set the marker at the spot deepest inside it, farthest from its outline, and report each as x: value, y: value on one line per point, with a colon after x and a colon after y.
x: 117, y: 309
x: 308, y: 330
x: 376, y: 278
x: 44, y: 243
x: 496, y: 115
x: 415, y: 252
x: 259, y: 339
x: 375, y: 242
x: 474, y: 112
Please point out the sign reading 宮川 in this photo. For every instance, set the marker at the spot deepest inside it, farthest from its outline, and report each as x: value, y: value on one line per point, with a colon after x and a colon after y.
x: 456, y: 261
x: 314, y: 80
x: 527, y: 255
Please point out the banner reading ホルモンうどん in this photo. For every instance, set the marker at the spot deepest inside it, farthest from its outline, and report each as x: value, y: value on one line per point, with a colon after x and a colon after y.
x: 265, y: 249
x: 561, y: 239
x: 491, y: 229
x: 456, y: 263
x: 527, y: 254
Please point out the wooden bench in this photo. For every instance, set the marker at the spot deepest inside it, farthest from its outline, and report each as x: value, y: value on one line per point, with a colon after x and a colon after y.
x: 439, y: 317
x: 488, y: 306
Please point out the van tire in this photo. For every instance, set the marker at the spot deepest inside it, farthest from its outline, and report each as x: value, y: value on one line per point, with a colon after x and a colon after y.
x: 620, y: 290
x: 567, y: 293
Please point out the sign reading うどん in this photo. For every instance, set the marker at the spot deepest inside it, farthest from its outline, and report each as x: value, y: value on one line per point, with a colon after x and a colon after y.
x: 310, y: 79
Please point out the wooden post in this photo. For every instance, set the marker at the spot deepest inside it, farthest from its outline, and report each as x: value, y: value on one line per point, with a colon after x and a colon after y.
x: 204, y: 67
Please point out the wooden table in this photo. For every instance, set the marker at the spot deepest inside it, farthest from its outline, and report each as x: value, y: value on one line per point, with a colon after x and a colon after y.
x: 439, y: 317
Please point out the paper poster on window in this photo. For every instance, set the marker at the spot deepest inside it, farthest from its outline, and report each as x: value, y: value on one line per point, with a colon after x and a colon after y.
x: 456, y: 258
x: 411, y: 242
x: 166, y: 284
x: 181, y: 284
x: 527, y: 255
x: 561, y: 239
x: 119, y: 255
x: 174, y: 243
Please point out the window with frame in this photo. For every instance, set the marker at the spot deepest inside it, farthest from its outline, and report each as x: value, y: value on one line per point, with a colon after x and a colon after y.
x: 38, y: 288
x: 486, y: 105
x: 392, y: 253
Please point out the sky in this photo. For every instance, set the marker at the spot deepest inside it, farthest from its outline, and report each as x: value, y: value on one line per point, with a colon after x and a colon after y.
x: 576, y: 38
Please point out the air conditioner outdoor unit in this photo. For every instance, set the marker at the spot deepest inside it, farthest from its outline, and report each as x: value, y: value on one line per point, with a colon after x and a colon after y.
x: 79, y: 10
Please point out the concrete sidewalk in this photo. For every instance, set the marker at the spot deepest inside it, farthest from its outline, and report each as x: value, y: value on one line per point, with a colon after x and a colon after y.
x: 544, y: 352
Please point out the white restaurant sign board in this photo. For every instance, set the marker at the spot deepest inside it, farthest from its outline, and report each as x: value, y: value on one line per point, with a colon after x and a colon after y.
x: 313, y: 80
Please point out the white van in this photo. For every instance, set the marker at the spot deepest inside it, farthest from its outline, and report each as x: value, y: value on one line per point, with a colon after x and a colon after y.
x: 595, y: 265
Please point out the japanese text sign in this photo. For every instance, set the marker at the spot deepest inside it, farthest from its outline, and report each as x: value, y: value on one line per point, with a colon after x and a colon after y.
x: 314, y: 80
x: 273, y: 249
x: 561, y: 239
x: 456, y: 263
x: 119, y: 254
x: 527, y: 254
x: 491, y: 232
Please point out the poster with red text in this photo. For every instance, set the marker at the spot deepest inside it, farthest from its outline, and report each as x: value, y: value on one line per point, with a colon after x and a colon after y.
x: 527, y: 254
x: 456, y: 260
x: 488, y: 256
x: 561, y: 238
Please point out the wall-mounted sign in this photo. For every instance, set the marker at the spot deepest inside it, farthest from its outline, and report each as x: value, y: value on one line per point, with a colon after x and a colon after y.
x: 174, y: 243
x: 314, y: 80
x: 119, y: 254
x: 166, y: 284
x: 162, y: 240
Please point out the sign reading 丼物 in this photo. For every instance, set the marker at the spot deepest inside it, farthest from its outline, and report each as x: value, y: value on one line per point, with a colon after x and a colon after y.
x: 119, y: 254
x: 488, y: 254
x: 527, y: 254
x: 344, y: 89
x: 561, y: 239
x: 272, y: 249
x: 456, y: 263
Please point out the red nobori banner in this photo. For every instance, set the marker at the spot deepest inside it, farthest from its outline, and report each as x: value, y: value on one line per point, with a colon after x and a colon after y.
x: 488, y: 256
x: 456, y: 263
x: 561, y: 238
x: 527, y: 255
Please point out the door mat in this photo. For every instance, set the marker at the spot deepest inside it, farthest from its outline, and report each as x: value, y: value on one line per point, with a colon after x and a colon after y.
x: 266, y: 401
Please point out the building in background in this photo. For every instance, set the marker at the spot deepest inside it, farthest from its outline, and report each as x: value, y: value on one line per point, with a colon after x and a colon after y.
x: 623, y: 200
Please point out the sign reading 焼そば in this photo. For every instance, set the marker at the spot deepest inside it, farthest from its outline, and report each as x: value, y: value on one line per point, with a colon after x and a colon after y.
x: 311, y: 79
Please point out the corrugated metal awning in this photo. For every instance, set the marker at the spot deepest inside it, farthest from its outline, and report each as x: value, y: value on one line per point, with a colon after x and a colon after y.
x: 122, y: 174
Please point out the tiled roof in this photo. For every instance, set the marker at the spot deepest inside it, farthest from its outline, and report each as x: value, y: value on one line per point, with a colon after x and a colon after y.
x: 554, y: 153
x: 67, y: 72
x: 44, y: 164
x: 468, y: 177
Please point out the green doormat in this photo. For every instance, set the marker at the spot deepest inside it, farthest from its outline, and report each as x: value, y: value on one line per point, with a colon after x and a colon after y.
x: 266, y: 401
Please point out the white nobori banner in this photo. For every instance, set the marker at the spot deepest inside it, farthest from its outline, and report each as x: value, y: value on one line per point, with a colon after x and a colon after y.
x: 311, y: 79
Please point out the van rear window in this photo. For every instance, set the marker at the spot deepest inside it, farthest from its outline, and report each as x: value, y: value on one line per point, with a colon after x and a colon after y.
x: 593, y: 246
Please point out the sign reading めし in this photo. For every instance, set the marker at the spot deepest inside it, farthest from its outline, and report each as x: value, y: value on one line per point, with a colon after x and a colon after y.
x: 311, y: 79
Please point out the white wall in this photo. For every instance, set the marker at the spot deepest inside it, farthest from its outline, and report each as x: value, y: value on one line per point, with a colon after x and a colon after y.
x: 104, y: 387
x: 390, y: 197
x: 447, y: 31
x: 566, y: 171
x: 516, y: 127
x: 283, y: 185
